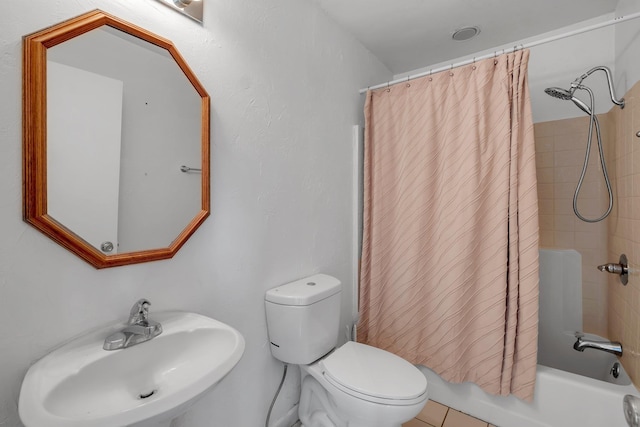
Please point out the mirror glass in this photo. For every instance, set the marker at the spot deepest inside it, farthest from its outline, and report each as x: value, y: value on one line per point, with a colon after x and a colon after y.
x: 125, y: 162
x: 121, y: 119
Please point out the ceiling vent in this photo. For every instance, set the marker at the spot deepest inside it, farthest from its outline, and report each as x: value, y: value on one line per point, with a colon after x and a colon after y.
x: 465, y: 33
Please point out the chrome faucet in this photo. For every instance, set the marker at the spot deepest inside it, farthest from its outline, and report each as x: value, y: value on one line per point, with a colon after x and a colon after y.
x: 139, y: 329
x: 612, y: 347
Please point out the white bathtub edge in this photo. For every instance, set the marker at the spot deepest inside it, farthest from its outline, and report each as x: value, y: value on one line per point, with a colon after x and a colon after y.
x: 561, y: 399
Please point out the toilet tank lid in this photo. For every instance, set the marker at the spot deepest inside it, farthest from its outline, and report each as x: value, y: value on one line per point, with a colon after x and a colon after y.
x: 304, y: 291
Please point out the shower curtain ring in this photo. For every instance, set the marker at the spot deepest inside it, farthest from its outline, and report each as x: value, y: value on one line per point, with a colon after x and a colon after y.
x: 388, y: 88
x: 474, y: 63
x: 408, y: 84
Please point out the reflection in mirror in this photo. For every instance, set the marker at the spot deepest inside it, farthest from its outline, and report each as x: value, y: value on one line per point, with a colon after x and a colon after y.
x: 122, y: 117
x: 123, y: 114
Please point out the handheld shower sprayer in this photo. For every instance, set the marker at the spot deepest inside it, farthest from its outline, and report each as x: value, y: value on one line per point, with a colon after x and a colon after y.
x: 568, y: 95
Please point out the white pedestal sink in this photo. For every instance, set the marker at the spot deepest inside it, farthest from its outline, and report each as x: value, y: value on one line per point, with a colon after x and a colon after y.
x: 82, y: 385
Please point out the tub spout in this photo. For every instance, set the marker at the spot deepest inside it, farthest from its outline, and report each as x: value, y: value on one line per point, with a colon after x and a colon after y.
x: 612, y: 347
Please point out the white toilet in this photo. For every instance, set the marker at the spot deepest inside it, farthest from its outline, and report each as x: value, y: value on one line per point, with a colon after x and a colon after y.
x: 355, y: 385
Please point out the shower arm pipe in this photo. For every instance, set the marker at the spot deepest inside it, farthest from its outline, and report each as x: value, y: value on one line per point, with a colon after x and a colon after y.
x: 518, y: 46
x: 577, y: 84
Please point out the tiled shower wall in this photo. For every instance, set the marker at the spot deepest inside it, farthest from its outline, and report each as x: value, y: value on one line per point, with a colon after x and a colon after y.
x: 609, y: 308
x: 624, y: 231
x: 560, y: 152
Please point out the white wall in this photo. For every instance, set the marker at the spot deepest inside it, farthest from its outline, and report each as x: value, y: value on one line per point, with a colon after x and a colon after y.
x: 627, y: 46
x: 558, y: 64
x: 284, y: 83
x: 84, y: 129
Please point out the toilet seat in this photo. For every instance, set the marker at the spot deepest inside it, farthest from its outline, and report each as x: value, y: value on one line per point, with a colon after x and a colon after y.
x: 374, y: 375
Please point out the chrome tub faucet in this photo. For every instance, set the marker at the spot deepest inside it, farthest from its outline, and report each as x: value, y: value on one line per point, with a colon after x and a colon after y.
x: 612, y: 347
x: 139, y: 329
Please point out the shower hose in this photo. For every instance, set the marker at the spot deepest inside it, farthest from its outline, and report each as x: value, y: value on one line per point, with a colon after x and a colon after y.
x: 593, y: 120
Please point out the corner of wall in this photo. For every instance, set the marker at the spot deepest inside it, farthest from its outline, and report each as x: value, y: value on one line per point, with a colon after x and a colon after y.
x: 624, y: 232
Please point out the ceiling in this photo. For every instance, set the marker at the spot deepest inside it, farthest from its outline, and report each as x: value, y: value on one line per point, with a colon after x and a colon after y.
x: 410, y: 34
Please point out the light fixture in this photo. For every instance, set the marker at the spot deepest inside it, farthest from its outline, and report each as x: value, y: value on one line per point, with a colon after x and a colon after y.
x: 182, y: 3
x: 465, y: 33
x: 189, y: 8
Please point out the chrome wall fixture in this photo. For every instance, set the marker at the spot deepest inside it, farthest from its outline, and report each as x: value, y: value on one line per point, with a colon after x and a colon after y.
x: 565, y: 94
x: 631, y: 408
x: 186, y: 169
x: 189, y: 8
x: 622, y: 268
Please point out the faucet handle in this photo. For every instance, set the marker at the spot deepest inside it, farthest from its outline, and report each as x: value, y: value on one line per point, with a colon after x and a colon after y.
x: 622, y: 268
x: 139, y: 312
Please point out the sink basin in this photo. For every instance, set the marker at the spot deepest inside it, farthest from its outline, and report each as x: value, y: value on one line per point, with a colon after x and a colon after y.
x: 82, y: 385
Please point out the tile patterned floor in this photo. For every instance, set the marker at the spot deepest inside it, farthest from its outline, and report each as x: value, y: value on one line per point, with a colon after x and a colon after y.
x: 435, y: 414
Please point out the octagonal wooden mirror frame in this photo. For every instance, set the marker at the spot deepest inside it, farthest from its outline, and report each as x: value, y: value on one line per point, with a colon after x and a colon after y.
x: 35, y: 139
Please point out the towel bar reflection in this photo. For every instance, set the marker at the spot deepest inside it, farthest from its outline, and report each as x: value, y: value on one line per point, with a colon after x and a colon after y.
x: 186, y: 169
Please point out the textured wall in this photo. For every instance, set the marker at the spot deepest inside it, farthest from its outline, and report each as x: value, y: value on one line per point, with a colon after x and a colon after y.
x: 284, y: 83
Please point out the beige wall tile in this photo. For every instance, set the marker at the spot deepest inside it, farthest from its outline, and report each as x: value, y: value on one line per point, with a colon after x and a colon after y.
x: 604, y: 241
x: 624, y: 232
x: 564, y: 239
x: 564, y: 191
x: 566, y: 173
x: 568, y: 158
x: 545, y: 175
x: 565, y: 222
x: 545, y: 191
x: 543, y: 130
x: 545, y: 159
x: 559, y: 227
x: 546, y: 239
x: 563, y: 206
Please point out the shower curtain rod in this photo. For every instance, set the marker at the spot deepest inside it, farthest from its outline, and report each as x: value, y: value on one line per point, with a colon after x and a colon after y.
x: 518, y: 46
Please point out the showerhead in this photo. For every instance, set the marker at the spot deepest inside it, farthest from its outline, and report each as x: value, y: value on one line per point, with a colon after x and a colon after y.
x: 567, y: 95
x: 559, y: 93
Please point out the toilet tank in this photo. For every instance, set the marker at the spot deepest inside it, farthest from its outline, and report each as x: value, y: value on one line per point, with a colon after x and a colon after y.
x: 303, y: 318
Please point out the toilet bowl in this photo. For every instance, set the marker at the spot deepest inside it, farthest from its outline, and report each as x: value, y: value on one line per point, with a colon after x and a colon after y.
x: 354, y: 385
x: 367, y: 386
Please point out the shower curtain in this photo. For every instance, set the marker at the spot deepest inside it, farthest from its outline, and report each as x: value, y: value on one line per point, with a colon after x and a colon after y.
x: 449, y: 270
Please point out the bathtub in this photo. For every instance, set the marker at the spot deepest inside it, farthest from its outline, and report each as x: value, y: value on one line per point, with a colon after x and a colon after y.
x: 573, y: 389
x: 561, y: 398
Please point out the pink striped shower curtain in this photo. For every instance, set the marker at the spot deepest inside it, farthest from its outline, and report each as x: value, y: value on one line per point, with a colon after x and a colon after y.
x: 449, y: 272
